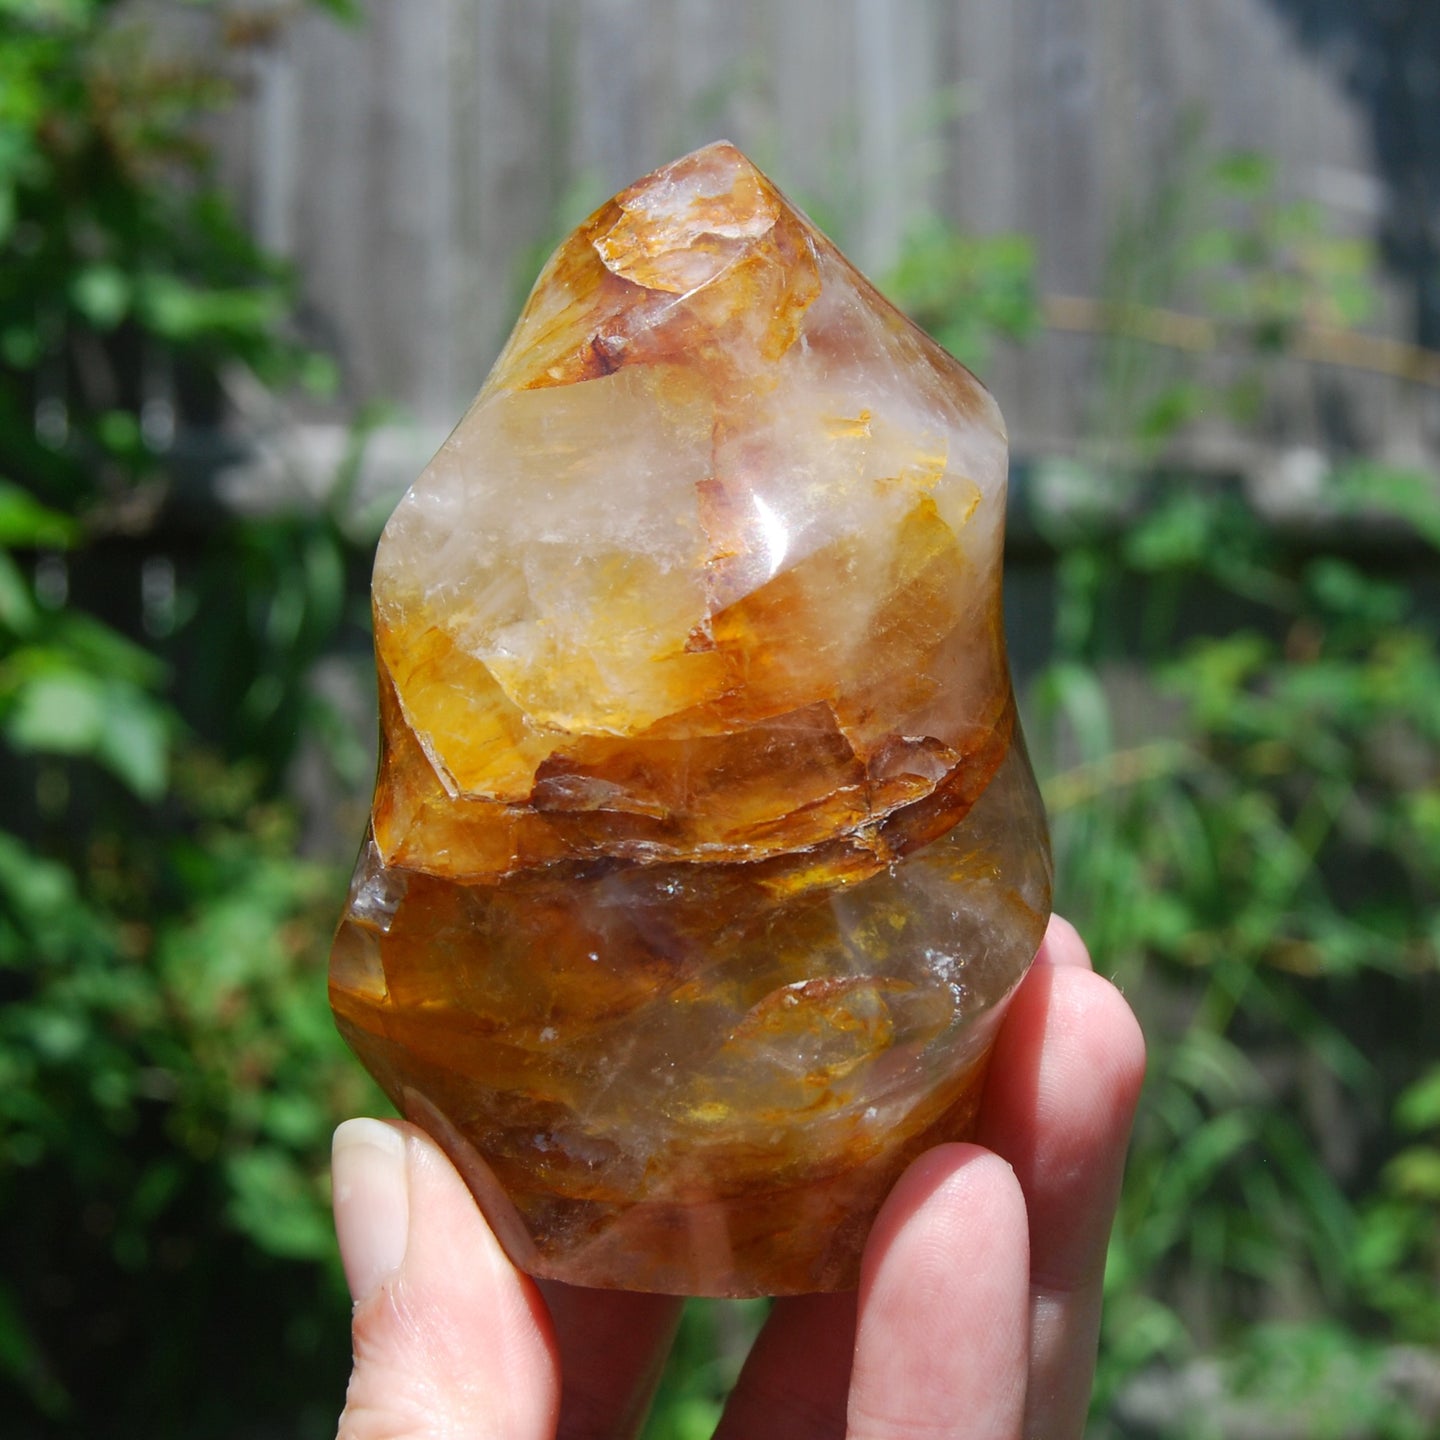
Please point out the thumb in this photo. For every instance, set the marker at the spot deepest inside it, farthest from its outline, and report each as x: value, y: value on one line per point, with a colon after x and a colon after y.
x: 449, y: 1338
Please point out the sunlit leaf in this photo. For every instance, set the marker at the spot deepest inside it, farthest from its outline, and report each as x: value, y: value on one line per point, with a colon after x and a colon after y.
x: 1409, y: 495
x: 61, y: 713
x: 1419, y: 1106
x: 27, y: 524
x: 101, y: 293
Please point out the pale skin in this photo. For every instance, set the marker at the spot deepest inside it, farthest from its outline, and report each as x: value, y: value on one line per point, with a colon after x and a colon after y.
x: 979, y: 1303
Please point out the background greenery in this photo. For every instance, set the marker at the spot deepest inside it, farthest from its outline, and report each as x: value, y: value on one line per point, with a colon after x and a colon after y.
x: 1237, y: 723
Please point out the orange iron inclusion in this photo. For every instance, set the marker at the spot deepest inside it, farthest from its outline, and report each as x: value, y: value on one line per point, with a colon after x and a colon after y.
x: 705, y: 851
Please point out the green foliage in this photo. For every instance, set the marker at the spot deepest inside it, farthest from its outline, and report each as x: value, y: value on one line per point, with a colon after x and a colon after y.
x: 1245, y: 749
x: 1262, y: 864
x: 710, y: 1346
x: 967, y: 290
x: 1216, y: 263
x: 168, y: 1070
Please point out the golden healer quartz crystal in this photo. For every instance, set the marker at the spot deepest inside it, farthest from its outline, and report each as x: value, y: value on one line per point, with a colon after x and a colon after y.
x: 705, y: 851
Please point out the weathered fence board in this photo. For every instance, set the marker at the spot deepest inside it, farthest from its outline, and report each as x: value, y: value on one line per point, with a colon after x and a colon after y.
x: 411, y: 164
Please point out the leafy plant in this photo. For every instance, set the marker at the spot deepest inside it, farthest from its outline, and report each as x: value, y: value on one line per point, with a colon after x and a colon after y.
x: 967, y: 290
x: 710, y: 1346
x: 1245, y: 754
x: 170, y: 1074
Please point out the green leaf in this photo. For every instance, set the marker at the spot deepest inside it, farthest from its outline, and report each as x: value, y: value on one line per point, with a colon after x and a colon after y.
x: 56, y: 1036
x: 49, y: 12
x: 277, y: 1205
x: 1247, y: 173
x: 93, y: 646
x: 72, y: 712
x: 184, y: 313
x: 1076, y: 693
x: 1415, y: 1173
x: 347, y: 10
x: 1212, y: 248
x: 135, y: 743
x: 119, y: 431
x: 319, y: 375
x: 19, y: 344
x: 690, y: 1417
x: 38, y: 889
x: 27, y: 524
x: 1214, y: 674
x: 1171, y: 410
x: 101, y: 293
x: 1174, y: 535
x: 966, y: 288
x: 21, y: 1359
x: 1409, y: 495
x: 17, y: 605
x: 1344, y: 589
x: 60, y: 713
x: 1419, y: 1106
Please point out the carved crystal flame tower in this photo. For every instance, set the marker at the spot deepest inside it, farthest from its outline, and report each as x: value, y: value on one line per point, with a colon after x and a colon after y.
x: 705, y: 850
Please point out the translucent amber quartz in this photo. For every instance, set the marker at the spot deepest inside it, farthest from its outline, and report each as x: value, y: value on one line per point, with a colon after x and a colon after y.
x: 705, y: 851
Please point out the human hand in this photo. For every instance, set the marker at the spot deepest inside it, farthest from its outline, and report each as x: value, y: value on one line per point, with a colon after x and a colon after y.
x: 979, y: 1301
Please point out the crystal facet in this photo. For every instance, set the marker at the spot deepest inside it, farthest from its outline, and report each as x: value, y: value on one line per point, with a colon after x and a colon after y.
x: 704, y: 850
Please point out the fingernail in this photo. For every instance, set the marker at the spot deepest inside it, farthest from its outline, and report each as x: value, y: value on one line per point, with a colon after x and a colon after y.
x: 372, y: 1201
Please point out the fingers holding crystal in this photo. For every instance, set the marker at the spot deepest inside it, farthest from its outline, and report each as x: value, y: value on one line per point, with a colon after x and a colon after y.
x: 449, y: 1338
x: 613, y: 1346
x: 979, y: 1298
x: 704, y: 844
x: 796, y: 1377
x: 1062, y: 945
x: 943, y: 1322
x: 1066, y: 1076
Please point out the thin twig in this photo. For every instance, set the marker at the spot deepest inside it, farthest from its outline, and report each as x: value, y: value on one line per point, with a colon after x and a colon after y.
x: 1116, y: 771
x: 1176, y: 330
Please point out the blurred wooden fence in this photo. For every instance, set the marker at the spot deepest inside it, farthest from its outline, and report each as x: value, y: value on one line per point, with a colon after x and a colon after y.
x: 412, y: 164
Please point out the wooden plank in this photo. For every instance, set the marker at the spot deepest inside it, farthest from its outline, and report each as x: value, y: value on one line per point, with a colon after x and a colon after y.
x: 981, y: 182
x: 331, y: 223
x: 410, y: 204
x: 714, y: 73
x: 412, y: 165
x: 893, y: 49
x: 510, y: 175
x: 606, y: 76
x: 812, y: 150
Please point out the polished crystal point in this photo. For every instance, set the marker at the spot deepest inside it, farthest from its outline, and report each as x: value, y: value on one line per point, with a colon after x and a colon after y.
x: 705, y: 851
